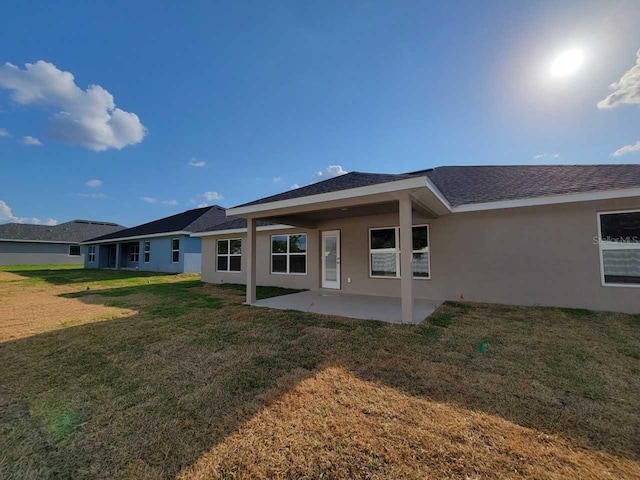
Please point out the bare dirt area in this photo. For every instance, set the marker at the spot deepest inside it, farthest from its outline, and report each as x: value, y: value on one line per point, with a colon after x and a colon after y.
x: 28, y: 309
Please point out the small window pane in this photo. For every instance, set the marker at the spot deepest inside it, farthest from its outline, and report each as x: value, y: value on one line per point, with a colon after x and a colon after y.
x: 175, y: 257
x: 279, y: 244
x: 621, y: 227
x: 421, y: 265
x: 223, y: 247
x: 383, y: 264
x: 279, y: 263
x: 175, y: 244
x: 147, y: 257
x: 383, y: 238
x: 621, y: 266
x: 235, y: 246
x: 223, y: 263
x: 420, y: 241
x: 298, y: 243
x: 235, y: 264
x: 298, y: 264
x: 74, y: 250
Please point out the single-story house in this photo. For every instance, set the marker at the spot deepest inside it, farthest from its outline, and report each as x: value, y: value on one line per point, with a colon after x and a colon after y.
x: 27, y: 244
x: 565, y: 236
x: 163, y: 245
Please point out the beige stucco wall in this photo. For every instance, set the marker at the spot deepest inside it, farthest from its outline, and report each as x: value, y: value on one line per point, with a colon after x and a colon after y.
x: 521, y: 256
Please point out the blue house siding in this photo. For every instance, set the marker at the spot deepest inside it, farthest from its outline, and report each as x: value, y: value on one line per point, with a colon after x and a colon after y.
x: 192, y: 258
x: 160, y: 258
x: 35, y: 253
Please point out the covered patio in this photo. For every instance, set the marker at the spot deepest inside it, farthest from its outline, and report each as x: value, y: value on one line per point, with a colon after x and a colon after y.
x: 366, y: 307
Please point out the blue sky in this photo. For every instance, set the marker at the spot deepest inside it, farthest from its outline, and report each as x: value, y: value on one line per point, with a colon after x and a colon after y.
x: 266, y: 94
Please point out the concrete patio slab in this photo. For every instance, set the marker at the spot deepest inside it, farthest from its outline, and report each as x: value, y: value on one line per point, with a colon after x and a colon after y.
x: 367, y: 307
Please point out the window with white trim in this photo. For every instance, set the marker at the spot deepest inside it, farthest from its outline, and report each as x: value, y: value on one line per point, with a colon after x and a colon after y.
x: 147, y: 251
x: 134, y: 252
x: 289, y: 254
x: 229, y: 255
x: 384, y: 252
x: 74, y: 250
x: 175, y: 250
x: 92, y: 253
x: 619, y: 241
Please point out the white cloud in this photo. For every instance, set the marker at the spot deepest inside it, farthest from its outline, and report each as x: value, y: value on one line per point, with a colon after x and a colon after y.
x: 31, y: 141
x: 4, y: 132
x: 92, y: 195
x: 627, y: 149
x: 546, y: 155
x: 88, y: 118
x: 5, y: 211
x: 329, y: 172
x: 94, y: 183
x: 211, y: 196
x: 197, y: 164
x: 277, y: 179
x: 626, y: 90
x: 6, y: 215
x: 202, y: 205
x: 294, y: 186
x: 163, y: 202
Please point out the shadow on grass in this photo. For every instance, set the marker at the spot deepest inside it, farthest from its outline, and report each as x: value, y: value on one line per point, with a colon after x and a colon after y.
x: 73, y: 275
x: 162, y: 387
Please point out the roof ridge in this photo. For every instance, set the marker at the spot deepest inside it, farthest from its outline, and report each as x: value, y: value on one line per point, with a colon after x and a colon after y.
x: 520, y: 165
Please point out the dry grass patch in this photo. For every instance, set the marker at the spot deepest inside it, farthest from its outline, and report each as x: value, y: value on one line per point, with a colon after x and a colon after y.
x: 40, y: 310
x: 335, y: 425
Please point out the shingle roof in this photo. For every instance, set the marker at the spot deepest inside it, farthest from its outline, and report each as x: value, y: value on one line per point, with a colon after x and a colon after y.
x: 75, y: 231
x: 479, y: 184
x: 343, y: 182
x: 234, y: 224
x: 189, y: 221
x: 466, y: 185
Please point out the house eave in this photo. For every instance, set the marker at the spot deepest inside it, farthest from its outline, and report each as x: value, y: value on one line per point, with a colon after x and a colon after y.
x: 62, y: 242
x: 234, y: 231
x: 351, y: 193
x: 137, y: 237
x: 549, y: 200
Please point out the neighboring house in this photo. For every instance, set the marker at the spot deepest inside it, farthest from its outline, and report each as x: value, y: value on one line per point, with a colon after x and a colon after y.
x: 521, y: 235
x: 25, y: 244
x: 160, y: 246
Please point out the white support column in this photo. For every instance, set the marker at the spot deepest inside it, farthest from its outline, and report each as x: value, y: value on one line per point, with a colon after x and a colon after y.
x: 406, y: 256
x: 251, y: 260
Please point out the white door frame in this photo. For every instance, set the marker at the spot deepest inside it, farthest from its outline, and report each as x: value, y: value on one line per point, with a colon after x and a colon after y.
x: 330, y: 284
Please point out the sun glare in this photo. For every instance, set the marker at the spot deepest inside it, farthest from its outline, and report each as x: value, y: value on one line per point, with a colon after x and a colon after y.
x: 567, y: 63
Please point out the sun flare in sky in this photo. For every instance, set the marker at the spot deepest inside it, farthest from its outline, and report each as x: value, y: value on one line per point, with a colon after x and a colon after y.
x: 567, y: 62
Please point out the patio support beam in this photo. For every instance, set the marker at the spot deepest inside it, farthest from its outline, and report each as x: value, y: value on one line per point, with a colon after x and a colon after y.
x: 251, y: 261
x: 118, y: 254
x: 294, y: 221
x: 405, y: 209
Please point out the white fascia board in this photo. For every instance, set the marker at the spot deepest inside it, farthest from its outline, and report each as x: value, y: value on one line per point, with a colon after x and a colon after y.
x: 138, y: 237
x: 39, y: 241
x: 436, y: 191
x: 387, y: 187
x: 233, y: 231
x: 549, y: 200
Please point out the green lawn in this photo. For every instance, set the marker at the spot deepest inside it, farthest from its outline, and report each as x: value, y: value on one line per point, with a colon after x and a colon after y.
x: 186, y: 372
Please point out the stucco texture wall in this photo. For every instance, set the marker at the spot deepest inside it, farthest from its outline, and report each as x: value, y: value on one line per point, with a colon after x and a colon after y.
x: 29, y: 253
x: 521, y: 256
